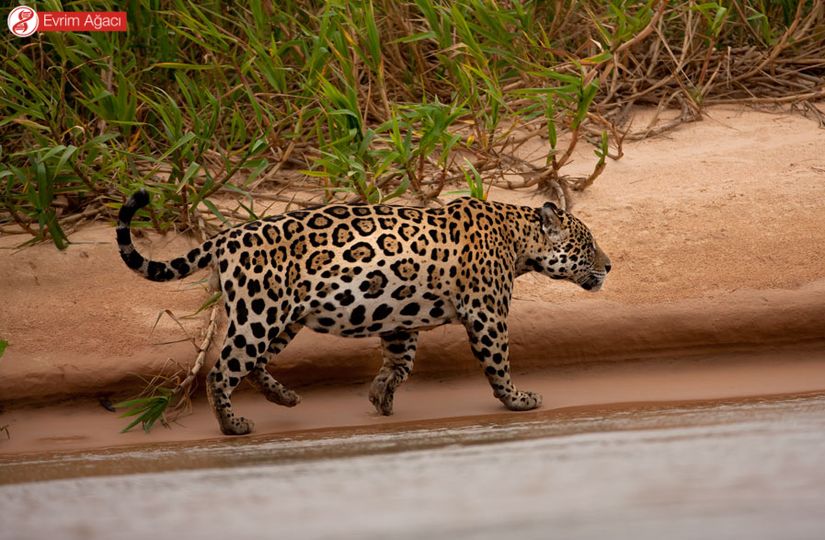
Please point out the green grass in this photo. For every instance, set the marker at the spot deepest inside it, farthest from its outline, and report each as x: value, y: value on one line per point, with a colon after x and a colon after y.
x: 366, y: 99
x: 146, y: 410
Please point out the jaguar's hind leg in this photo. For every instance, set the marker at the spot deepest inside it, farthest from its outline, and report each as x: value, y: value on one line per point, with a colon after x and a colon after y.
x: 242, y: 351
x: 399, y: 355
x: 266, y: 383
x: 271, y: 389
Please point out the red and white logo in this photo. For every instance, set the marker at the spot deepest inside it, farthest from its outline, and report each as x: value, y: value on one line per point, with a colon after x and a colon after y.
x: 23, y: 21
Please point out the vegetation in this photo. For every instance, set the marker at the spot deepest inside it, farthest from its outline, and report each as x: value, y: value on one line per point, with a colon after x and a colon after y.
x: 365, y: 100
x: 147, y: 409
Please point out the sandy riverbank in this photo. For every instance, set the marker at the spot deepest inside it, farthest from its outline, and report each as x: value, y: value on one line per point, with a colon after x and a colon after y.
x: 715, y: 231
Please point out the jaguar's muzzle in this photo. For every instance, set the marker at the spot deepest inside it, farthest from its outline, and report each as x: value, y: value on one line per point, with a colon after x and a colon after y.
x: 592, y: 282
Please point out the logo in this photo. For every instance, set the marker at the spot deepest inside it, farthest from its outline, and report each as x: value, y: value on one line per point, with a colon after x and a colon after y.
x: 23, y: 21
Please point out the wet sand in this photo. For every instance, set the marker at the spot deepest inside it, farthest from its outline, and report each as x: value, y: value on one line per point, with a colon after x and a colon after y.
x: 85, y: 425
x: 745, y: 469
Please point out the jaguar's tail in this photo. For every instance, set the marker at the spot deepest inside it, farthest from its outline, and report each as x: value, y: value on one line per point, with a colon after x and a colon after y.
x: 177, y: 268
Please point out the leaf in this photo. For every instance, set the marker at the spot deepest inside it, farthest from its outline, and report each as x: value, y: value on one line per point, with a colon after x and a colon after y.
x: 191, y: 171
x: 67, y: 154
x: 474, y: 181
x: 412, y: 38
x: 147, y: 410
x: 550, y: 114
x: 214, y: 209
x: 191, y: 67
x: 3, y: 345
x: 211, y: 301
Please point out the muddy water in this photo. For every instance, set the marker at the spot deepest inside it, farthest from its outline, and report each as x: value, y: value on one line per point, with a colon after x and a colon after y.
x: 751, y: 469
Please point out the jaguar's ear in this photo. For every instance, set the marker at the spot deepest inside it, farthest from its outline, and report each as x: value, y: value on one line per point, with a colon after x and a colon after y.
x: 551, y: 220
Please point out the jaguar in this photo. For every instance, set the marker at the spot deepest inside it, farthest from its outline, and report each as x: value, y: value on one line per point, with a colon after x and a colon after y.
x: 359, y: 270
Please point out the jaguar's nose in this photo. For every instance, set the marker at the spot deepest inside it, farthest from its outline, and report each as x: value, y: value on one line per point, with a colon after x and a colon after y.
x: 607, y: 268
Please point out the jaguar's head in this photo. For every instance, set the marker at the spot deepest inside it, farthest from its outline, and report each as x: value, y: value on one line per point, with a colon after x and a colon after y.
x: 567, y: 250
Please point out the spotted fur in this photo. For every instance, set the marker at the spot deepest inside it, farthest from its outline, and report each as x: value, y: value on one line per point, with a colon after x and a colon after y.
x: 387, y: 271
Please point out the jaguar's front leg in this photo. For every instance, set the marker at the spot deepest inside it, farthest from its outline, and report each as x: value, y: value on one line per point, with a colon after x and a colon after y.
x: 489, y: 339
x: 399, y: 353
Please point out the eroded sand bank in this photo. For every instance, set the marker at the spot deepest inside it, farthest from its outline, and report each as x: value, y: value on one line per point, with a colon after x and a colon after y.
x: 715, y: 231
